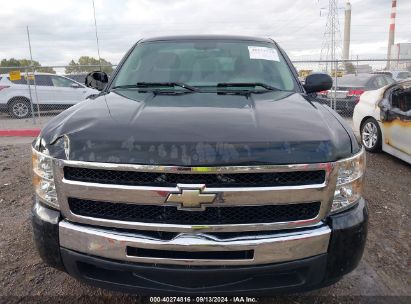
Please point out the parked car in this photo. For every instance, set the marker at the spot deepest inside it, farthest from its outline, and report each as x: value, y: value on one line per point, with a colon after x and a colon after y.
x: 349, y: 89
x: 203, y: 168
x: 399, y: 75
x: 383, y: 120
x: 81, y: 77
x: 52, y: 92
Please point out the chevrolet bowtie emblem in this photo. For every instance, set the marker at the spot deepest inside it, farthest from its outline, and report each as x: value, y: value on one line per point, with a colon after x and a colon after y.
x: 191, y: 197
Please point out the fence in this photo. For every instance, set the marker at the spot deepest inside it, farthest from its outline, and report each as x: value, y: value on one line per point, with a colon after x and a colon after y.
x: 351, y: 78
x: 29, y: 97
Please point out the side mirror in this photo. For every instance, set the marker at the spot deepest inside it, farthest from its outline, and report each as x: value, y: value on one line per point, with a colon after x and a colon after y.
x: 96, y: 80
x: 317, y: 82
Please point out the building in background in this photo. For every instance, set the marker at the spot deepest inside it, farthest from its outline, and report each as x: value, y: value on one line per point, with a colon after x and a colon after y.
x: 363, y: 68
x: 391, y: 33
x: 347, y: 31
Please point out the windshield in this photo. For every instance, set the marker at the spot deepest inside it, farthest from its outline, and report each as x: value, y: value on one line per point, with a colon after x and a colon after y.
x: 206, y: 63
x: 404, y: 75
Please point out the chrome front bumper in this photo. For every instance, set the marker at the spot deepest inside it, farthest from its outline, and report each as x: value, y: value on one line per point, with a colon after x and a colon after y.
x: 131, y: 241
x: 267, y: 248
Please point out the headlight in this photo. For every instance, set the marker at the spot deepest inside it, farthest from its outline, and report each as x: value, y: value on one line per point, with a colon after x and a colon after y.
x: 43, y: 178
x: 349, y: 182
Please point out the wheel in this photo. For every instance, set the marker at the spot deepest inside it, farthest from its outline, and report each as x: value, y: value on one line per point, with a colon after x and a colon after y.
x: 371, y: 136
x: 19, y: 108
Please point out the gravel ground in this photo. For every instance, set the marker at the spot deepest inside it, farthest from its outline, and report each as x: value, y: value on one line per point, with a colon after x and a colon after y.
x: 384, y: 275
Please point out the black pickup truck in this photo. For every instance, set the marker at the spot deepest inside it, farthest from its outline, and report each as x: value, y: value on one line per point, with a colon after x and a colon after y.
x: 204, y: 167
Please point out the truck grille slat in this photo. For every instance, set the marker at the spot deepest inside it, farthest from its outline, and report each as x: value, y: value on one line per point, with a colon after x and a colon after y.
x: 210, y: 216
x: 134, y: 178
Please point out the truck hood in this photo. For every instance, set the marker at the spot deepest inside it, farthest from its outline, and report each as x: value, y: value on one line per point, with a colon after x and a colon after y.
x: 198, y: 129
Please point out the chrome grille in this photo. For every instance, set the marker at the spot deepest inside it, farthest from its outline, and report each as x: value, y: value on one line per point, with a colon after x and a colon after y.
x: 156, y: 179
x: 247, y: 198
x: 210, y: 216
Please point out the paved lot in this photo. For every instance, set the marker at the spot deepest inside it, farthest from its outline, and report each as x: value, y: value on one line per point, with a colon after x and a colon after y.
x: 384, y: 275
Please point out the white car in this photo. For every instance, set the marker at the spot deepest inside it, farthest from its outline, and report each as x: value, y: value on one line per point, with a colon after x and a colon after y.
x: 382, y: 119
x: 54, y: 92
x: 397, y: 75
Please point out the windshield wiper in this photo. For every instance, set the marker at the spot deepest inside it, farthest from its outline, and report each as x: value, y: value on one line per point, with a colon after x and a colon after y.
x: 145, y: 85
x: 247, y: 84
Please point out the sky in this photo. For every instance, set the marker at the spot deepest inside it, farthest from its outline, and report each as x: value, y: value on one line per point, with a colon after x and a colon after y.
x: 64, y: 30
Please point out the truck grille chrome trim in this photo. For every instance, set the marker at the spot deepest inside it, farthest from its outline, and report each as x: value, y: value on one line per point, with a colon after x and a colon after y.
x: 219, y: 180
x: 224, y: 196
x: 267, y: 249
x: 210, y: 215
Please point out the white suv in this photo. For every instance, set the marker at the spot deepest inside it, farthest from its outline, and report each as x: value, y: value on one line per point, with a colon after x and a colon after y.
x: 54, y: 92
x: 396, y: 75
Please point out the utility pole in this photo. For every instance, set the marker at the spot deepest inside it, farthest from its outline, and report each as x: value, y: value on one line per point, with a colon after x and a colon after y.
x: 95, y: 28
x: 34, y: 77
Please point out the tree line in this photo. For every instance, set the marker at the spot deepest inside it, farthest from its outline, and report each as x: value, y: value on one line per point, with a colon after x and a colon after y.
x: 84, y: 64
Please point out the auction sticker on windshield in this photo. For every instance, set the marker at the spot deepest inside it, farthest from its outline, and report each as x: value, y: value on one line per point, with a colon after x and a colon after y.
x: 264, y: 53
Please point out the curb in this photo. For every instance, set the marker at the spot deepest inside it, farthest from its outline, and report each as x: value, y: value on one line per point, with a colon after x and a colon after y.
x: 23, y: 132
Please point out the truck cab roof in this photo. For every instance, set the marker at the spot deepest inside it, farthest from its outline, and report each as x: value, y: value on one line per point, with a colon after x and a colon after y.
x: 207, y: 37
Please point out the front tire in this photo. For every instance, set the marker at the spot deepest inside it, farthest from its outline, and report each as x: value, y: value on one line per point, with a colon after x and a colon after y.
x: 20, y: 108
x: 371, y: 137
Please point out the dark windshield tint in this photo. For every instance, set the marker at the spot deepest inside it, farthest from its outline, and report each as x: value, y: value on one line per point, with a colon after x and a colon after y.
x: 206, y: 63
x: 44, y: 80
